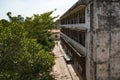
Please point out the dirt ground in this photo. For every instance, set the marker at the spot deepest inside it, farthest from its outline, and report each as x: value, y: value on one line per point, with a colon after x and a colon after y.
x: 60, y: 69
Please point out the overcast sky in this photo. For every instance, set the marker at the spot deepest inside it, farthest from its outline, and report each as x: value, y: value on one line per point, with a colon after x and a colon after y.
x: 29, y: 7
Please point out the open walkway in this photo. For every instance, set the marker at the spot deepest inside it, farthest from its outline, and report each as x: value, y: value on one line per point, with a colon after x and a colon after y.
x: 61, y: 70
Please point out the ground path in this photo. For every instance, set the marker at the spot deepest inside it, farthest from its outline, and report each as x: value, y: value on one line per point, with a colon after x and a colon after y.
x: 61, y: 70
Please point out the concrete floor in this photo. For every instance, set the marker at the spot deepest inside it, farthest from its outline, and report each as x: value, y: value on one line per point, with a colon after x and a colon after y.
x: 61, y: 70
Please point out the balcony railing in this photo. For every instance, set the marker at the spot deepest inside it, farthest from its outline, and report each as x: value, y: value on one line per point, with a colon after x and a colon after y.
x: 78, y: 46
x: 75, y: 26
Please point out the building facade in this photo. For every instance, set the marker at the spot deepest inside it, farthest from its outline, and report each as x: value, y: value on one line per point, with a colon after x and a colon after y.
x: 90, y: 36
x: 55, y: 34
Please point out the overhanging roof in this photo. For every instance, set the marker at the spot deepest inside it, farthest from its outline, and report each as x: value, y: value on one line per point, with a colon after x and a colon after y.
x: 77, y: 6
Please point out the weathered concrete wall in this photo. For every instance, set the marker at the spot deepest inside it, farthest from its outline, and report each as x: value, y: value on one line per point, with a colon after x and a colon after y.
x: 115, y: 55
x: 106, y: 35
x: 102, y: 71
x: 102, y: 19
x: 88, y: 47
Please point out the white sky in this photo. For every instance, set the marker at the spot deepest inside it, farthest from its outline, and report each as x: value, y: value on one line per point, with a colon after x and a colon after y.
x: 30, y: 7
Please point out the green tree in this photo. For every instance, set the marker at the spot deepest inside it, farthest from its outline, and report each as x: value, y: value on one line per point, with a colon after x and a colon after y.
x: 14, y: 18
x: 4, y: 23
x: 37, y: 27
x: 21, y: 56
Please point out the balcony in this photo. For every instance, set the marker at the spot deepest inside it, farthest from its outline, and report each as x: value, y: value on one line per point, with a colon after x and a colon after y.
x: 81, y: 26
x: 80, y: 48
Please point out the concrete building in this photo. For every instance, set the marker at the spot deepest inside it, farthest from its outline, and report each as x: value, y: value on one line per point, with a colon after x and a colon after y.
x: 90, y: 35
x: 55, y: 34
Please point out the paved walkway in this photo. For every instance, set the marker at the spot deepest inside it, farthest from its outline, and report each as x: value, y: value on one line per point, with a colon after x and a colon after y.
x: 61, y: 70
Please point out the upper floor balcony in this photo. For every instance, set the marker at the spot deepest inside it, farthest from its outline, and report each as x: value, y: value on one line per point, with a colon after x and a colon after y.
x: 78, y: 46
x: 74, y: 19
x: 75, y: 26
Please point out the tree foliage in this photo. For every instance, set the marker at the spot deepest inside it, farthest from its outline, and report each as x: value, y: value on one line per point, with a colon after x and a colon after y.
x: 25, y: 46
x: 38, y: 26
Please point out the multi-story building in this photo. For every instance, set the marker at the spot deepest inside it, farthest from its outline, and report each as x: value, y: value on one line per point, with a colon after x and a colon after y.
x: 90, y: 36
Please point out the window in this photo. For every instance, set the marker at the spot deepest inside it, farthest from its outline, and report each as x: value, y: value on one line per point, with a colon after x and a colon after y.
x: 82, y: 38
